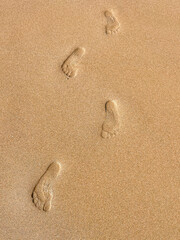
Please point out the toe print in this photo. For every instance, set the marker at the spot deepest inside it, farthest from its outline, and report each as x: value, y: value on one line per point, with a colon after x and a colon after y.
x: 47, y: 204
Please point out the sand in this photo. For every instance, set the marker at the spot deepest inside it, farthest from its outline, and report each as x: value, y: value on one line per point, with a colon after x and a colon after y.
x: 90, y: 120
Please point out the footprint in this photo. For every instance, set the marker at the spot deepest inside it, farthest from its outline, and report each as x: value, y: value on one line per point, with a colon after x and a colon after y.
x: 112, y: 23
x: 69, y: 66
x: 43, y: 194
x: 111, y: 124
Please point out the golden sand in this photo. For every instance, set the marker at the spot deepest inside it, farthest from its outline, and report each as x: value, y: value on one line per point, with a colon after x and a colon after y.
x: 90, y: 120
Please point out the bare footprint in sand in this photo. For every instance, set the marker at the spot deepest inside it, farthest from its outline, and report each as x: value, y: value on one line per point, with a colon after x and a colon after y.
x: 43, y: 194
x: 69, y: 66
x: 111, y: 124
x: 112, y: 23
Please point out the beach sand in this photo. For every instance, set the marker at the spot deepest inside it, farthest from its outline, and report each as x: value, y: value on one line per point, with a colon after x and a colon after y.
x: 121, y: 73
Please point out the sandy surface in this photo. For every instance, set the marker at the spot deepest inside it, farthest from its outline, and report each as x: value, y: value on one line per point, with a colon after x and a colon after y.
x: 126, y: 187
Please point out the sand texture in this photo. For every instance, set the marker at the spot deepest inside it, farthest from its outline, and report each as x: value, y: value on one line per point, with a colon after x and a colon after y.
x: 90, y: 120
